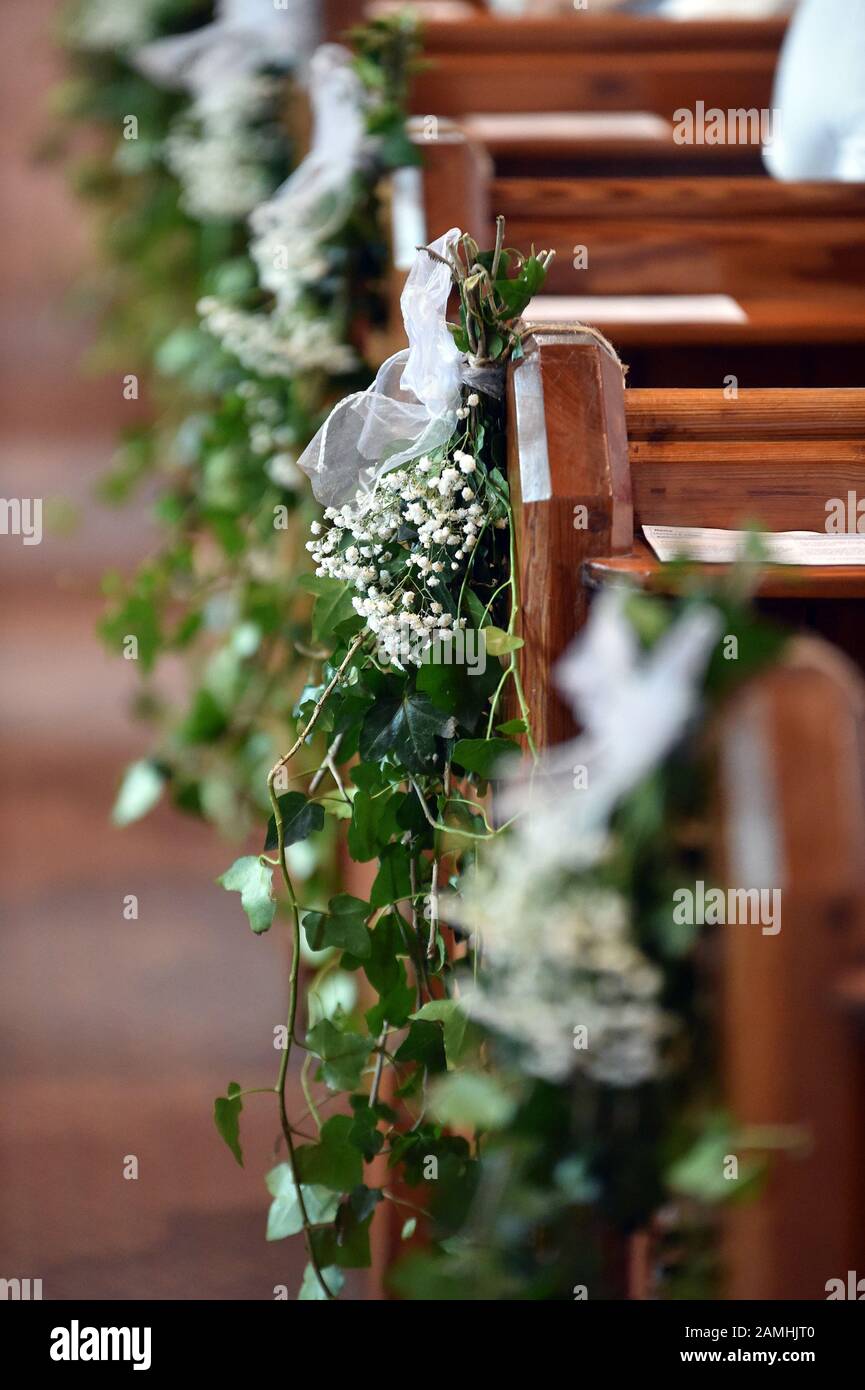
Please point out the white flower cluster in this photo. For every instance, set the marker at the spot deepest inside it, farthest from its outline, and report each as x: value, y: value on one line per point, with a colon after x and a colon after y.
x: 401, y: 545
x: 274, y: 441
x: 108, y: 25
x: 275, y: 346
x: 219, y: 154
x: 563, y: 976
x: 290, y: 257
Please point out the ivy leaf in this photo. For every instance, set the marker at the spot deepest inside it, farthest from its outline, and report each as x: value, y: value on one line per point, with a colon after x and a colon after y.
x: 513, y: 726
x: 459, y: 690
x: 366, y: 1137
x: 343, y: 926
x: 373, y: 822
x: 406, y: 729
x: 300, y: 818
x: 471, y: 1100
x: 393, y: 880
x: 499, y: 642
x: 343, y: 1055
x: 206, y: 720
x: 481, y: 755
x: 364, y: 1200
x: 456, y: 1023
x: 700, y: 1173
x: 423, y: 1044
x: 226, y: 1115
x: 285, y: 1217
x: 252, y: 880
x: 346, y: 1243
x: 333, y: 608
x: 334, y: 1161
x: 142, y: 786
x: 515, y: 293
x: 310, y: 1288
x: 387, y: 942
x: 394, y: 1006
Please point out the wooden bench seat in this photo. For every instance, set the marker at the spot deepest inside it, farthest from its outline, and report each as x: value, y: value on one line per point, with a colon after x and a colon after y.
x: 631, y: 458
x: 791, y: 256
x: 788, y: 759
x: 588, y: 62
x: 641, y: 568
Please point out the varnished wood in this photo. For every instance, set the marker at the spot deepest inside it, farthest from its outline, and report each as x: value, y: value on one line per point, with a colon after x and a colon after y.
x: 566, y: 389
x: 791, y: 255
x: 642, y: 568
x: 792, y: 749
x: 779, y: 414
x: 595, y: 63
x: 747, y: 237
x: 585, y: 32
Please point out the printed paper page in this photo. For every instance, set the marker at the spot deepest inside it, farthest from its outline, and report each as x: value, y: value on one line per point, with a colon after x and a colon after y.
x: 713, y: 546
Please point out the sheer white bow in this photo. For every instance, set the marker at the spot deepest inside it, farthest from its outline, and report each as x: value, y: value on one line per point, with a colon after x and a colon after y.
x: 633, y: 707
x: 313, y: 202
x: 245, y: 36
x: 410, y: 408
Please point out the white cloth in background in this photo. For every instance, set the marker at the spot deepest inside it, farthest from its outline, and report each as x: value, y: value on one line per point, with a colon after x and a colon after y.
x: 723, y: 9
x: 819, y: 97
x: 245, y: 36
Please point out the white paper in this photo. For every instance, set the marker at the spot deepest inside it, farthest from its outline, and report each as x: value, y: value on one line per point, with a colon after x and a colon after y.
x: 713, y: 546
x: 408, y: 218
x: 567, y: 125
x: 635, y: 308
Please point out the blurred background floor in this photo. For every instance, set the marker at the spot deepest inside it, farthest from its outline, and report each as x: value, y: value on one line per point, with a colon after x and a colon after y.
x: 116, y: 1034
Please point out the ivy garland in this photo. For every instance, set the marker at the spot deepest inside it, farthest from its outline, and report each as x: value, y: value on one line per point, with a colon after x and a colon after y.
x: 460, y: 1106
x: 464, y: 1101
x: 405, y: 574
x: 221, y: 591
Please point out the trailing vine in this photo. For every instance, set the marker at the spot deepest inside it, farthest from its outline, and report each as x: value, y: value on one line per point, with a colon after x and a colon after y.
x: 220, y: 591
x: 416, y: 595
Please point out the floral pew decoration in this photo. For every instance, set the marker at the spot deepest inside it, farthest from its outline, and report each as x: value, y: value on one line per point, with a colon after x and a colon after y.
x: 221, y: 589
x: 412, y: 575
x: 486, y: 938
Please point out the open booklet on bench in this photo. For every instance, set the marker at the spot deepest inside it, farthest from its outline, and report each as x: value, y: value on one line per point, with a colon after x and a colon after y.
x: 710, y: 545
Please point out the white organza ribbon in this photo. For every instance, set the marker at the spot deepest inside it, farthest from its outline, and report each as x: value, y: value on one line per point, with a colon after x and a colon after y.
x: 245, y: 36
x: 410, y: 408
x: 313, y: 201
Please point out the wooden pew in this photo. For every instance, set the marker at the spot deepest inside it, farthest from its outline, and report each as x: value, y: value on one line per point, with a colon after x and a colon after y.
x: 789, y: 255
x: 791, y: 814
x: 590, y: 62
x: 790, y: 751
x: 676, y: 457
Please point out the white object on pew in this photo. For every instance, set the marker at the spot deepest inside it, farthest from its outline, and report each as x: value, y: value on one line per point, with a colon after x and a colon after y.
x: 407, y: 216
x: 633, y: 308
x: 714, y: 546
x: 724, y: 9
x: 435, y: 11
x: 566, y: 125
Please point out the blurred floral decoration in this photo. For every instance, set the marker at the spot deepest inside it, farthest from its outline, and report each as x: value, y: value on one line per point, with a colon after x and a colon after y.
x: 523, y: 1074
x: 509, y: 1023
x: 246, y: 290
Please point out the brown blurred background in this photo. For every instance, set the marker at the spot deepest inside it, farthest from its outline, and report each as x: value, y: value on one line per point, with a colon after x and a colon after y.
x: 116, y: 1034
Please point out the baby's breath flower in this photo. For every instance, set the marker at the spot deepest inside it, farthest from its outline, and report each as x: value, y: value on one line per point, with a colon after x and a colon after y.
x: 403, y: 525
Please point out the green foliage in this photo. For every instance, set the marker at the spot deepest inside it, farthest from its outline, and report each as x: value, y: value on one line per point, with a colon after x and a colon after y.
x: 300, y: 819
x: 226, y: 1115
x: 342, y: 926
x: 142, y: 787
x: 252, y: 880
